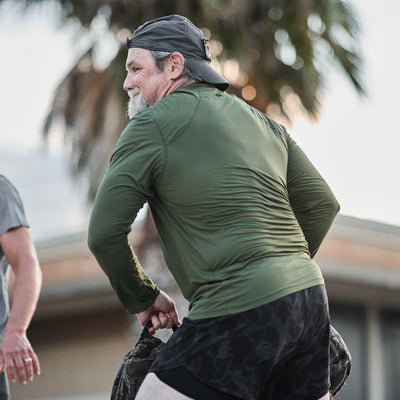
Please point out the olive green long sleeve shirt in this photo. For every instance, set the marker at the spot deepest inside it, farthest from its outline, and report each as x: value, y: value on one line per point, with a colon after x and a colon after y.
x: 239, y: 208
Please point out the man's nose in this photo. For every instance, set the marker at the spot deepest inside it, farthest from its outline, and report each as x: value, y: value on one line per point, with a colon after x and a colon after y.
x: 128, y: 83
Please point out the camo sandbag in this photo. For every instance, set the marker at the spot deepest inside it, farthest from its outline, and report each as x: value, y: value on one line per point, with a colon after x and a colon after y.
x: 135, y: 366
x: 340, y: 361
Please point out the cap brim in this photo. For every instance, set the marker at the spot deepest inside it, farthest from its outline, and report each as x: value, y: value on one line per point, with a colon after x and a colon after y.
x: 207, y: 73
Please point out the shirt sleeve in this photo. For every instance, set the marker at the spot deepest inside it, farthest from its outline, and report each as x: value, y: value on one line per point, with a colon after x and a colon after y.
x: 311, y: 199
x: 126, y: 186
x: 12, y: 214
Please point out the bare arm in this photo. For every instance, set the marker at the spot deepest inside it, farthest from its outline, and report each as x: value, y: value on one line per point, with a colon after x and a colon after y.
x: 19, y: 250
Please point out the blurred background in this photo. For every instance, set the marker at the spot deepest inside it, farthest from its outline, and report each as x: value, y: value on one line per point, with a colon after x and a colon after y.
x: 326, y: 69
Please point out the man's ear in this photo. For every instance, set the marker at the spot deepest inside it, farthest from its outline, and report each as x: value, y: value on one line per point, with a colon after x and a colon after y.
x: 175, y: 65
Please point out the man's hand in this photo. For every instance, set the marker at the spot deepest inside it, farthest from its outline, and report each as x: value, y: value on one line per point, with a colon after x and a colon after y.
x: 162, y: 314
x: 16, y: 353
x: 18, y: 357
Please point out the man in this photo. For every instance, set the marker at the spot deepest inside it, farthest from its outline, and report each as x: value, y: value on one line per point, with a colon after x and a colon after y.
x: 16, y: 250
x: 240, y: 212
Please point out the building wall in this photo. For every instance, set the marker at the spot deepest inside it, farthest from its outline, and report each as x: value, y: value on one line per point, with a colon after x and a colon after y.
x: 81, y: 332
x: 361, y: 263
x: 79, y: 355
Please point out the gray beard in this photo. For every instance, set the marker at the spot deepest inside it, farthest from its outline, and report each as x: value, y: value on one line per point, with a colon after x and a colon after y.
x: 136, y: 105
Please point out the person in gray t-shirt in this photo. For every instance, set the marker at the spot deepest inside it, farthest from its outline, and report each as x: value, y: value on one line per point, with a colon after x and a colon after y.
x: 18, y: 252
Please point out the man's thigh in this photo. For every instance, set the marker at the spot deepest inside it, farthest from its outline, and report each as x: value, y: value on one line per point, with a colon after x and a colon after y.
x: 153, y: 388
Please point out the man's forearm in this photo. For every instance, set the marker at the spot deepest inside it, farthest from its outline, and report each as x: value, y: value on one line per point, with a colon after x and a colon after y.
x: 25, y: 294
x: 16, y: 352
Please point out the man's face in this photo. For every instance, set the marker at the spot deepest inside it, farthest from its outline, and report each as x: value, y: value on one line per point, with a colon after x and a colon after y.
x: 144, y: 83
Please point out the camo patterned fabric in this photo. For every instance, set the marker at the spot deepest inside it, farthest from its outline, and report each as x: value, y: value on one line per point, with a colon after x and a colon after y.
x: 339, y: 361
x: 135, y: 366
x: 276, y: 351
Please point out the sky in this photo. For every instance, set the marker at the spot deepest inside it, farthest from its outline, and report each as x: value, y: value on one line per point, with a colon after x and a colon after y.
x: 355, y: 143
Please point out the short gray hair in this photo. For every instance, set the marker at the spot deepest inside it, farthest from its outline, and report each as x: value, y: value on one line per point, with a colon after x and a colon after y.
x: 159, y: 59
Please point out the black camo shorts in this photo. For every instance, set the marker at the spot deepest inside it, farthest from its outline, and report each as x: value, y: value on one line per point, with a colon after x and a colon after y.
x: 279, y: 351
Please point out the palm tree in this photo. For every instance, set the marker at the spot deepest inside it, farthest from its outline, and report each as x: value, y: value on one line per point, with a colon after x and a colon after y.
x: 272, y: 51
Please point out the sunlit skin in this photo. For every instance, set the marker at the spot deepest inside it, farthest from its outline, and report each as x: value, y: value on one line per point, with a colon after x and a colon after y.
x: 154, y: 85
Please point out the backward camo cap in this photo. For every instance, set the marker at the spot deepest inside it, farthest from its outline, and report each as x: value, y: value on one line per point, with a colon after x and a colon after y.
x: 177, y: 33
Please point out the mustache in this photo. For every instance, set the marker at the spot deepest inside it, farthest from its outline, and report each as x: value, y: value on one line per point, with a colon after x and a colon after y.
x: 133, y: 93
